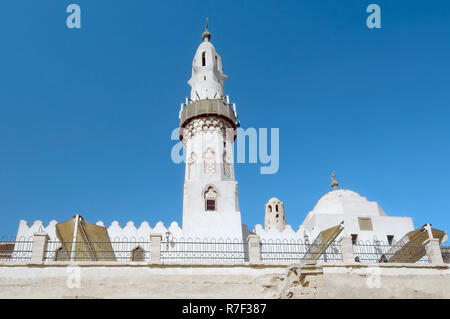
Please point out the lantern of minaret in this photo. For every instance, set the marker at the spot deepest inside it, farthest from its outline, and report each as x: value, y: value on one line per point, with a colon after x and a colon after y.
x: 208, y: 131
x: 275, y: 216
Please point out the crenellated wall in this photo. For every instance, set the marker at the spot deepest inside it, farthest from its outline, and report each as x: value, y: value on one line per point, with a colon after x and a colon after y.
x: 115, y: 231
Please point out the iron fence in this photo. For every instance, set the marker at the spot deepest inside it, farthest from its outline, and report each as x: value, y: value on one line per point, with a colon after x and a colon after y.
x: 214, y: 251
x: 295, y: 251
x: 375, y: 252
x: 123, y: 251
x: 16, y: 250
x: 206, y: 251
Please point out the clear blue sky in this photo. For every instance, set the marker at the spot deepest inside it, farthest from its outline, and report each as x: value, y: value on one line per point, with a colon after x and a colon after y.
x: 86, y: 115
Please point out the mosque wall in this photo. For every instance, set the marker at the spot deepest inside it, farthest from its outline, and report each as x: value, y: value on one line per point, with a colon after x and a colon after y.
x: 142, y: 280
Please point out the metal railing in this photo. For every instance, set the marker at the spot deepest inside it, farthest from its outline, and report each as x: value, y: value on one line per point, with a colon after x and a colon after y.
x: 206, y: 251
x: 123, y: 251
x: 212, y: 251
x: 294, y: 251
x: 16, y: 250
x: 370, y: 252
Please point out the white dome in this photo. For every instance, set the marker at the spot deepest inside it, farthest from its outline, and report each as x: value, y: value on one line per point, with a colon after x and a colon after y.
x: 346, y: 202
x: 273, y: 200
x: 337, y: 196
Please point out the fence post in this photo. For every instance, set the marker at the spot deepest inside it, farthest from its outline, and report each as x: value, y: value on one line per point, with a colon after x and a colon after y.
x: 40, y: 242
x: 254, y: 250
x: 155, y: 248
x: 347, y: 250
x: 433, y: 251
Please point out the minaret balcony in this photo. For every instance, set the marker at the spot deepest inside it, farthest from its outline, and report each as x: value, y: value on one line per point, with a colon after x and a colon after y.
x: 207, y: 107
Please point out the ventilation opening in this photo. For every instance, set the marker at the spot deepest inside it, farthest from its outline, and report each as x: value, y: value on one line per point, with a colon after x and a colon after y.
x: 390, y: 239
x: 354, y: 238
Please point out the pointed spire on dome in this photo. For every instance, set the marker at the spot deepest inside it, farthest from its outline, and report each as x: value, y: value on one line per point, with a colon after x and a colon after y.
x: 334, y: 183
x: 206, y: 33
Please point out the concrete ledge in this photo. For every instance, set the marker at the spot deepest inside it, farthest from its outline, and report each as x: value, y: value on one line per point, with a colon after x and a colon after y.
x: 220, y: 265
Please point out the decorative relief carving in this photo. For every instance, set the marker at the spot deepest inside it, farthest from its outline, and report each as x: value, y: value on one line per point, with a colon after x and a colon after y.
x: 209, y: 160
x: 226, y: 165
x: 192, y: 166
x: 206, y: 124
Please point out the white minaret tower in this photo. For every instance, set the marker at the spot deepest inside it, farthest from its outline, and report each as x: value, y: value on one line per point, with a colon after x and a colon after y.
x: 208, y: 131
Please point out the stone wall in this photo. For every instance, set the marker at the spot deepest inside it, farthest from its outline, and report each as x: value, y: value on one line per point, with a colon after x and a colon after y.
x: 446, y: 254
x: 143, y: 280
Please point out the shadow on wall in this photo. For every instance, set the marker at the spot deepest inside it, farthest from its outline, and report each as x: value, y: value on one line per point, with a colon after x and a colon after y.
x: 246, y: 232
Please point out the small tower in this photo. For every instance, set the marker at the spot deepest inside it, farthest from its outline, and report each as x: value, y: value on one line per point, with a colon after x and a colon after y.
x: 208, y: 131
x: 275, y: 216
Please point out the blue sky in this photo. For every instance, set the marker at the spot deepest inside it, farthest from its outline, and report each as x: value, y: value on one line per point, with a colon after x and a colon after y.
x: 86, y: 115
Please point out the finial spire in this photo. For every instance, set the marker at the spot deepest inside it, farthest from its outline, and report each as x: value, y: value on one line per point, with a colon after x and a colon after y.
x: 206, y: 33
x: 334, y: 183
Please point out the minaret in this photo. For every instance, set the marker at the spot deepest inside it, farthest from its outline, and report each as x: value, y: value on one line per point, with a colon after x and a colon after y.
x: 208, y: 131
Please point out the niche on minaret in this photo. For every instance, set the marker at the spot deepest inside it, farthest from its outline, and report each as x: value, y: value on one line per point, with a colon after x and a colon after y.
x: 209, y: 161
x: 226, y: 166
x: 192, y: 166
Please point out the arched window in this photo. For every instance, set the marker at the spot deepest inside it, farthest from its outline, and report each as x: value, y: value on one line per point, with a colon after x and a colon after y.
x: 138, y: 254
x: 210, y: 199
x: 276, y: 208
x: 270, y: 209
x: 209, y: 161
x: 203, y: 58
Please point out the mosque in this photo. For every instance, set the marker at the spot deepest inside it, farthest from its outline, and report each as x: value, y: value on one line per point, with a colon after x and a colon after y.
x: 346, y: 247
x: 208, y: 129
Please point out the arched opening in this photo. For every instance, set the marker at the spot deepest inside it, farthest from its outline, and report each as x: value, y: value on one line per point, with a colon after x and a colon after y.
x: 270, y: 208
x: 203, y: 58
x: 138, y: 254
x: 210, y: 199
